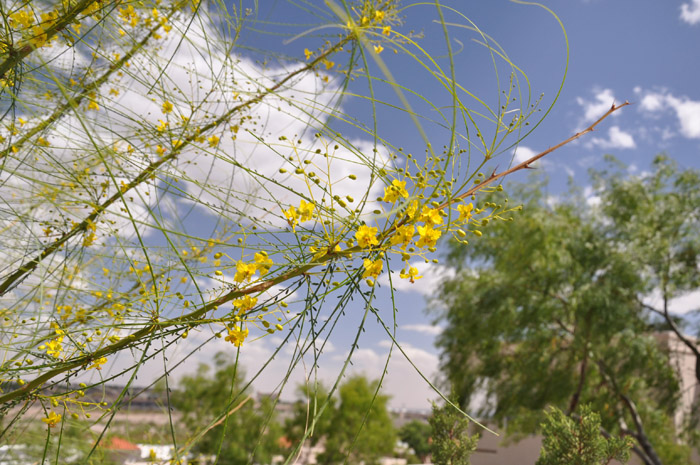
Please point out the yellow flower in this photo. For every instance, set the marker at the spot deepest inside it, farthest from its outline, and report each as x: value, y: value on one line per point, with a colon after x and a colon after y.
x: 412, y: 209
x: 236, y: 336
x: 394, y: 191
x: 93, y: 105
x: 403, y: 235
x: 379, y: 15
x: 372, y: 268
x: 54, y: 347
x: 428, y: 236
x: 292, y: 217
x: 386, y: 30
x: 412, y: 274
x: 52, y: 420
x: 306, y: 210
x: 465, y: 212
x: 23, y: 18
x: 213, y: 141
x: 366, y: 236
x: 98, y: 363
x: 244, y: 271
x: 308, y: 53
x: 430, y: 215
x: 263, y: 263
x: 378, y: 49
x: 244, y: 304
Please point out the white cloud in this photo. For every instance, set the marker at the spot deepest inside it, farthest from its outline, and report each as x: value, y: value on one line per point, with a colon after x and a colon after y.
x: 405, y: 385
x: 523, y: 153
x: 617, y: 139
x: 680, y: 305
x: 687, y: 111
x: 592, y: 110
x: 430, y: 330
x: 690, y: 12
x: 591, y: 198
x: 552, y: 201
x: 432, y: 275
x: 652, y: 102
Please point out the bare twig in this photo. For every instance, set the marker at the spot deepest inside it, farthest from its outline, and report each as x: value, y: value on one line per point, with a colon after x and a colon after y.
x: 526, y: 164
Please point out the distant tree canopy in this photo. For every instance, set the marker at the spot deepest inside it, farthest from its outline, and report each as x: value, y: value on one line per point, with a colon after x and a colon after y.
x: 551, y: 310
x: 417, y: 434
x: 248, y: 431
x: 354, y: 426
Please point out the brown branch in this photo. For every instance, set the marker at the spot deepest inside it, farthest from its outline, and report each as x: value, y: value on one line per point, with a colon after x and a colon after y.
x: 581, y: 381
x: 640, y: 435
x: 634, y: 448
x: 526, y: 164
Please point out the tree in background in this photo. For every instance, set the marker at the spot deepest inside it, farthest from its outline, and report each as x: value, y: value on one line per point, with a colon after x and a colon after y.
x: 417, y: 435
x: 355, y: 426
x: 657, y: 217
x: 248, y: 432
x: 311, y: 416
x: 551, y: 312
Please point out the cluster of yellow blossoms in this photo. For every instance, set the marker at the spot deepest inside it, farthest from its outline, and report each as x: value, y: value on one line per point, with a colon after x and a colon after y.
x: 294, y: 215
x: 403, y: 232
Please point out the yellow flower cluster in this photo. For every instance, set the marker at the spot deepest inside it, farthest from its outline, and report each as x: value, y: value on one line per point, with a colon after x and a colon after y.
x: 237, y: 335
x: 52, y: 420
x: 366, y: 236
x: 304, y: 212
x: 55, y: 346
x: 396, y: 190
x: 244, y: 304
x: 98, y: 363
x: 425, y: 219
x: 373, y: 268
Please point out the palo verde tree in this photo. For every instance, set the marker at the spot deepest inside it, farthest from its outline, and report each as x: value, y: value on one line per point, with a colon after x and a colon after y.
x: 553, y: 312
x: 169, y: 177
